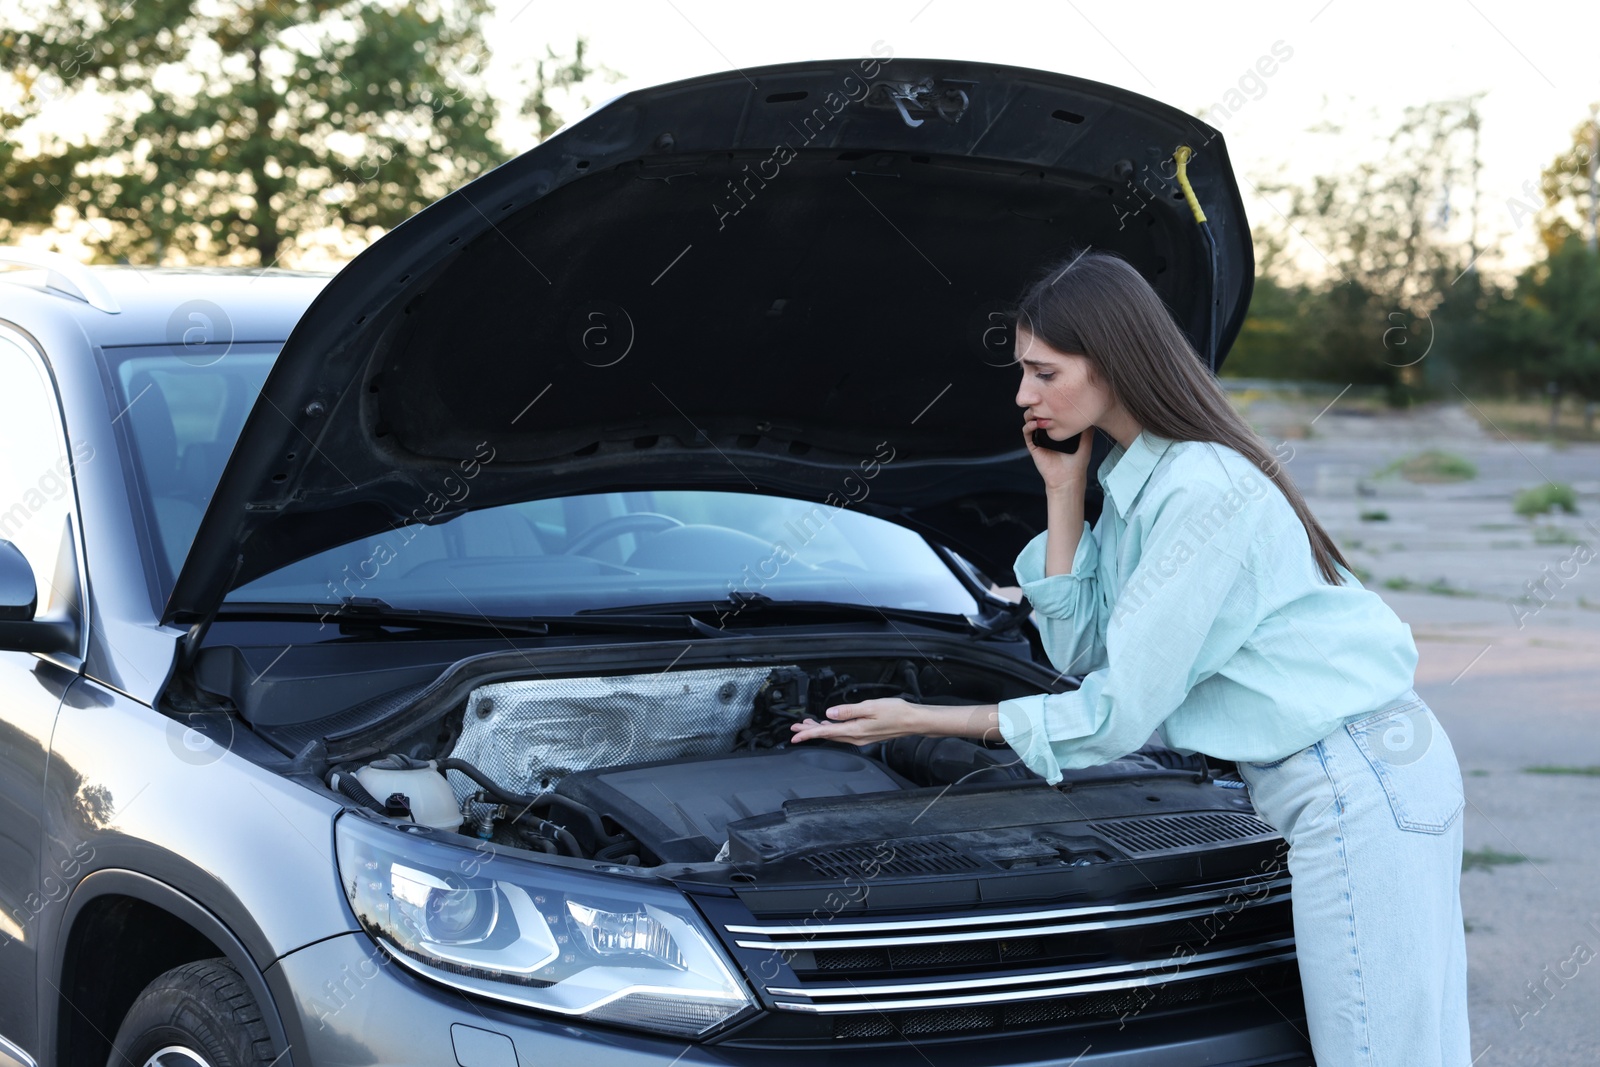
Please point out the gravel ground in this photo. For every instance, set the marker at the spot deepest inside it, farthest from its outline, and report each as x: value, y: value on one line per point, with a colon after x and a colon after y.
x: 1512, y: 671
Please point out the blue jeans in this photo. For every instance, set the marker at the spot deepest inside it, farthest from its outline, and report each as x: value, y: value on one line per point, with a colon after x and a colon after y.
x: 1373, y: 815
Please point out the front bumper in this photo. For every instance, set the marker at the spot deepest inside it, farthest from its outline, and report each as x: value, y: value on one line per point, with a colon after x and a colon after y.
x: 344, y: 1001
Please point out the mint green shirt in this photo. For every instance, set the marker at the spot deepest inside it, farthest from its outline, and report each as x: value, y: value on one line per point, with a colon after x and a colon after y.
x: 1195, y: 609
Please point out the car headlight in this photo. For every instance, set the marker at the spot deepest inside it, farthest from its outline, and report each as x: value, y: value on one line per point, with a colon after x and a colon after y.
x: 537, y: 934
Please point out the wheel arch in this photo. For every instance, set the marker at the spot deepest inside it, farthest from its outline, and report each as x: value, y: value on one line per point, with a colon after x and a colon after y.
x: 159, y: 926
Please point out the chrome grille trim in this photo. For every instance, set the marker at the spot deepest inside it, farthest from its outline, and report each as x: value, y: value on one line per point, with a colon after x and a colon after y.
x: 942, y: 986
x: 1002, y: 919
x: 1015, y: 995
x: 824, y: 938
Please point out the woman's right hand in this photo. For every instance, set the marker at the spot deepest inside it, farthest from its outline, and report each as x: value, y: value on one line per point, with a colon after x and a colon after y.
x: 1060, y: 470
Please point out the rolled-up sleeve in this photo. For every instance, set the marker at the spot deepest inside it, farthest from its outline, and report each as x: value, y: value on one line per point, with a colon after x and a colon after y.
x: 1070, y: 608
x: 1188, y: 605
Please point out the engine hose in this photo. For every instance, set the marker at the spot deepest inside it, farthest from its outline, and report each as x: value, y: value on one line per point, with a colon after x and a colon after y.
x: 523, y: 803
x: 538, y: 841
x: 562, y: 835
x: 627, y: 859
x: 590, y: 817
x: 620, y: 851
x: 909, y: 672
x: 565, y: 837
x: 351, y: 786
x: 503, y: 796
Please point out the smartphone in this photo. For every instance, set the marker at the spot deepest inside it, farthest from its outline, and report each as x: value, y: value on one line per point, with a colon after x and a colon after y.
x: 1043, y: 440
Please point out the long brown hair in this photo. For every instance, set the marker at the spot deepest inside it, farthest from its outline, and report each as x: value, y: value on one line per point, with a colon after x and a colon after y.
x: 1095, y: 304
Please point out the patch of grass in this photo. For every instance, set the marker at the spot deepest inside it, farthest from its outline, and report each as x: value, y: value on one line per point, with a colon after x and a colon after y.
x: 1441, y: 587
x: 1530, y: 419
x: 1497, y: 526
x: 1585, y: 602
x: 1545, y: 534
x: 1478, y: 773
x: 1507, y: 544
x: 1543, y: 499
x: 1432, y: 465
x: 1362, y: 574
x: 1487, y: 859
x: 1375, y: 515
x: 1399, y: 585
x: 1550, y: 768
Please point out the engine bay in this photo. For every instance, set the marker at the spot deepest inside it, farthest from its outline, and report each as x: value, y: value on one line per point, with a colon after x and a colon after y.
x: 695, y: 767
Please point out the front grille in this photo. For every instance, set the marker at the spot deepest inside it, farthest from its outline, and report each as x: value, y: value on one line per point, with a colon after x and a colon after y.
x: 1083, y: 1008
x: 1006, y: 970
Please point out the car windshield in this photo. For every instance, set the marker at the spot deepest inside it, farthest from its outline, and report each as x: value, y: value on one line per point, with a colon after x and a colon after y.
x: 566, y: 554
x: 549, y: 556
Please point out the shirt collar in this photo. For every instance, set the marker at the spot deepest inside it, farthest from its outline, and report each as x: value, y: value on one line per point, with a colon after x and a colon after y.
x: 1125, y: 470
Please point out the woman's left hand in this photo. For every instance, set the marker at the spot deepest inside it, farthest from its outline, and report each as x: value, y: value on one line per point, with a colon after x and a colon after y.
x: 864, y: 722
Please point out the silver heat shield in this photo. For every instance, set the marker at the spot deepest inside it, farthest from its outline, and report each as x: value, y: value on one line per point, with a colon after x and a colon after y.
x: 526, y: 735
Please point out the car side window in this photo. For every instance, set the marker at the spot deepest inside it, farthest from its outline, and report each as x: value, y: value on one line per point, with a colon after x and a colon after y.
x: 36, y: 471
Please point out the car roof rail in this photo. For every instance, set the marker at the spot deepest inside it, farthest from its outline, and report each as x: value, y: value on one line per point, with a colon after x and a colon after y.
x: 62, y: 274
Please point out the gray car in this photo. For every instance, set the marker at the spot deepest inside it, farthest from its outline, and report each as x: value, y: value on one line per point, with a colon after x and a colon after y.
x: 397, y: 667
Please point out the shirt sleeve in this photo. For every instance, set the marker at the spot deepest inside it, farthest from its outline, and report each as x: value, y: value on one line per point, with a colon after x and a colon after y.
x: 1069, y: 609
x: 1188, y: 605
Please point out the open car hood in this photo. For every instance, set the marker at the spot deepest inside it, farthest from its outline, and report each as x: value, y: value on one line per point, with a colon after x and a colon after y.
x: 766, y: 280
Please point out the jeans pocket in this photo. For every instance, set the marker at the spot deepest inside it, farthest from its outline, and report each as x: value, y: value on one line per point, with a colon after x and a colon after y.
x: 1416, y: 764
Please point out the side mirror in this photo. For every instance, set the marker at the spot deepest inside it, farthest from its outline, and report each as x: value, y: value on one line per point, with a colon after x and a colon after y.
x: 19, y: 598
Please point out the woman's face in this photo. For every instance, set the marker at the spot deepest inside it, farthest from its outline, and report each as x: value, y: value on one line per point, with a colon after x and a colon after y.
x: 1061, y: 390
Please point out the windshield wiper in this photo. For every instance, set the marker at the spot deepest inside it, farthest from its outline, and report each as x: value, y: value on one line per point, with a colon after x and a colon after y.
x: 371, y: 613
x: 1004, y: 618
x: 766, y: 609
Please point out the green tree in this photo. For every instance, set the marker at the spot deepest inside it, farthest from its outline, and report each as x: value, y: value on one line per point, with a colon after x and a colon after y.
x: 1549, y: 331
x: 236, y: 129
x: 1565, y: 189
x: 560, y: 74
x: 1271, y: 341
x: 1383, y: 241
x: 1392, y: 224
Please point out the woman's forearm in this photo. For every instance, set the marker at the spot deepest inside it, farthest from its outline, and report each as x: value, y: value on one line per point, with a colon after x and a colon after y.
x: 1065, y: 514
x: 883, y: 718
x: 978, y: 721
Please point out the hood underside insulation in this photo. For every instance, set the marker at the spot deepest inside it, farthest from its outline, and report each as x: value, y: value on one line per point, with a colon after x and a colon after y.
x: 527, y: 735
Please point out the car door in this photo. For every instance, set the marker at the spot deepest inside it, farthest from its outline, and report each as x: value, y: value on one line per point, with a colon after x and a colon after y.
x: 36, y: 512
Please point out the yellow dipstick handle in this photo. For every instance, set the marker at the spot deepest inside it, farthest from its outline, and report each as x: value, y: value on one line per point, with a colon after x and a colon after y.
x: 1181, y: 157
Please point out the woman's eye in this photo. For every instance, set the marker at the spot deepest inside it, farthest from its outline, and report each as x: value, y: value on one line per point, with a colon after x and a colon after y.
x: 1045, y: 377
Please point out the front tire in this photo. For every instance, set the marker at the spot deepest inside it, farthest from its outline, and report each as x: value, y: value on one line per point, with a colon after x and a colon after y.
x: 195, y: 1015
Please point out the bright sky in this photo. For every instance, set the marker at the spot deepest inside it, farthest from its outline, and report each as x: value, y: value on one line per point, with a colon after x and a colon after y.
x: 1362, y: 60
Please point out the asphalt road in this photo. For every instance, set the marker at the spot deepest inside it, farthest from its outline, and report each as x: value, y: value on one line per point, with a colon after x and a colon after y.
x: 1512, y: 672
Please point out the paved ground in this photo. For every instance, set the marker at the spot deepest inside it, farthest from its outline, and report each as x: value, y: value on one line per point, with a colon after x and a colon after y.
x: 1514, y: 676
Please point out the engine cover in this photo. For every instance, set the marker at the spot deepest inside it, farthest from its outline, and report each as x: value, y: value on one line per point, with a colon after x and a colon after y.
x: 680, y: 809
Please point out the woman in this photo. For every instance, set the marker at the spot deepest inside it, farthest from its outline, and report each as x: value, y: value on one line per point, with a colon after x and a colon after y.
x: 1210, y: 605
